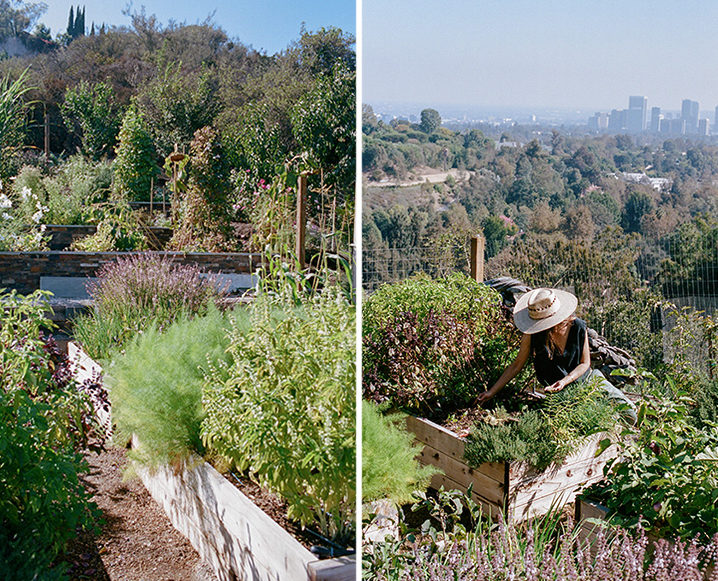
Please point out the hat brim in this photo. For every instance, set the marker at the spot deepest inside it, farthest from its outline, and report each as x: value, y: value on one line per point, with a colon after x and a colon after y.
x: 524, y: 323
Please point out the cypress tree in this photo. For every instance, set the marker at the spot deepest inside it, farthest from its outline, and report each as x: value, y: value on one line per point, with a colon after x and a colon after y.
x: 71, y: 23
x: 80, y: 22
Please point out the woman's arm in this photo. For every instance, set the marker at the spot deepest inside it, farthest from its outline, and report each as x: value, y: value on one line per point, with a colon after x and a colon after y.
x: 509, y: 373
x: 582, y: 367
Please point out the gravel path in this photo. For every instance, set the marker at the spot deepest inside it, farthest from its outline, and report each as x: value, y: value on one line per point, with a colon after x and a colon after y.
x: 137, y: 542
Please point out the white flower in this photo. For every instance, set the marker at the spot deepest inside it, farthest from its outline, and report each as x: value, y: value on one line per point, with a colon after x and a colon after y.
x: 5, y: 202
x: 37, y: 216
x: 6, y: 216
x: 43, y: 228
x: 25, y: 193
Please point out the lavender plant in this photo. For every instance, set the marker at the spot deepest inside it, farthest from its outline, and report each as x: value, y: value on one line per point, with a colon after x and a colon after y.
x: 133, y: 293
x: 548, y: 548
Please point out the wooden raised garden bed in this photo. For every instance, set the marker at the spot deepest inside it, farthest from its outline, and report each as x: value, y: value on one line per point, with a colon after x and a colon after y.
x: 514, y: 488
x: 226, y: 528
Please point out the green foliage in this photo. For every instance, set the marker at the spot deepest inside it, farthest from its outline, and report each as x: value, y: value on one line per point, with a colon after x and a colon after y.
x: 432, y: 345
x: 546, y: 435
x: 118, y: 229
x: 389, y: 465
x: 667, y: 478
x: 89, y: 110
x: 12, y: 120
x: 323, y: 125
x: 204, y: 223
x: 64, y: 193
x: 175, y: 104
x: 430, y: 120
x: 135, y: 166
x: 43, y: 424
x: 156, y: 385
x: 286, y: 414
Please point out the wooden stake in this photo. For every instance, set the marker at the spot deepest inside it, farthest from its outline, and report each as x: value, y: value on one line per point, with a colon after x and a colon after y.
x: 301, y: 220
x: 47, y: 134
x: 477, y: 258
x: 152, y: 191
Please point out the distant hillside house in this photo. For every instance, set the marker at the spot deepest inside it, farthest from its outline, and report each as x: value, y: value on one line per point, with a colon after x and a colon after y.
x: 25, y: 44
x: 658, y: 184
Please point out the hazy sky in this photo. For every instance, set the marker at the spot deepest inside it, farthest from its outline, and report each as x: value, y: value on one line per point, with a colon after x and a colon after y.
x: 562, y: 53
x: 268, y: 25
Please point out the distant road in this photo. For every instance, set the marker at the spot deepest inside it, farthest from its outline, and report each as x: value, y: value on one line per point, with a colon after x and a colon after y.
x: 421, y: 175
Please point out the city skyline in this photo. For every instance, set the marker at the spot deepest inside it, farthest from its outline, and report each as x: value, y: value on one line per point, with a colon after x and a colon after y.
x: 517, y: 53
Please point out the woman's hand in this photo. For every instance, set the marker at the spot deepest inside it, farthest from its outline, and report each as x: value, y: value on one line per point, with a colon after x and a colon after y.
x: 483, y: 397
x: 558, y: 386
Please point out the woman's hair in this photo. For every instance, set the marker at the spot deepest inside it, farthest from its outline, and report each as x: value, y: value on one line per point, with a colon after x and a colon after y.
x: 545, y: 338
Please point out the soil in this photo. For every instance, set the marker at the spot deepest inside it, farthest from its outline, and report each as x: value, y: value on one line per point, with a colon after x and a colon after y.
x: 276, y: 508
x: 273, y: 506
x: 137, y: 541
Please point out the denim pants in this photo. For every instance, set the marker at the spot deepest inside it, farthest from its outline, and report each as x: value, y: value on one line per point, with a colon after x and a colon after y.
x: 611, y: 391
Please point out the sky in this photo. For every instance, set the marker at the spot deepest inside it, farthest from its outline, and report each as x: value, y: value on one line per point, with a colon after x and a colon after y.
x: 265, y: 25
x: 585, y: 54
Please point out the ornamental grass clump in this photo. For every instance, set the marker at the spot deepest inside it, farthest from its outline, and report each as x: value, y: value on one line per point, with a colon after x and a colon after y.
x: 156, y: 385
x: 134, y: 293
x: 389, y: 465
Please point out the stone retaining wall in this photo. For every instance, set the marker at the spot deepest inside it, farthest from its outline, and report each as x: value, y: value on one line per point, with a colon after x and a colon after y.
x: 22, y: 270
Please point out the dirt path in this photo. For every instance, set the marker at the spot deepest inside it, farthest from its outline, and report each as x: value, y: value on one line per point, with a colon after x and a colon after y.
x: 137, y: 543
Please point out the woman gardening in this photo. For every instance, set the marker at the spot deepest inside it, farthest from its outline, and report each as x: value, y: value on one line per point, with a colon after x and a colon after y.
x: 558, y: 342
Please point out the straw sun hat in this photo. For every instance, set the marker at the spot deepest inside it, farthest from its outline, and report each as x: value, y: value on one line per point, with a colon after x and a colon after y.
x: 543, y: 308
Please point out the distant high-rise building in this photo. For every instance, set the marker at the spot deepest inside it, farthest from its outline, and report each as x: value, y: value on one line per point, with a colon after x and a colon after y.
x: 689, y: 114
x: 617, y: 120
x: 715, y: 117
x: 636, y: 115
x: 599, y: 122
x: 704, y: 126
x: 656, y: 119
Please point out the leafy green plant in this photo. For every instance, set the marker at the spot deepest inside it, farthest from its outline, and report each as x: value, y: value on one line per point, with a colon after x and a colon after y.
x: 389, y: 465
x: 135, y: 165
x: 156, y: 385
x: 667, y: 478
x: 432, y: 345
x: 44, y: 422
x: 286, y: 413
x: 90, y: 111
x: 62, y: 196
x: 118, y: 229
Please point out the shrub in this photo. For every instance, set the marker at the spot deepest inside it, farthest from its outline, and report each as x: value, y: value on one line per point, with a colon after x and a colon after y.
x: 389, y: 467
x: 90, y: 112
x: 204, y: 212
x: 133, y: 293
x: 156, y: 385
x: 12, y: 121
x: 66, y: 194
x: 432, y: 345
x: 118, y: 229
x: 286, y: 414
x: 44, y: 422
x: 135, y: 165
x: 667, y: 478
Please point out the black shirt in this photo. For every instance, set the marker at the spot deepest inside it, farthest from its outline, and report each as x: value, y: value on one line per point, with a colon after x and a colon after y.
x: 550, y: 370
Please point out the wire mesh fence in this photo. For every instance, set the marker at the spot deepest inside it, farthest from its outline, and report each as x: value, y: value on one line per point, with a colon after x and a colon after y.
x: 623, y: 287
